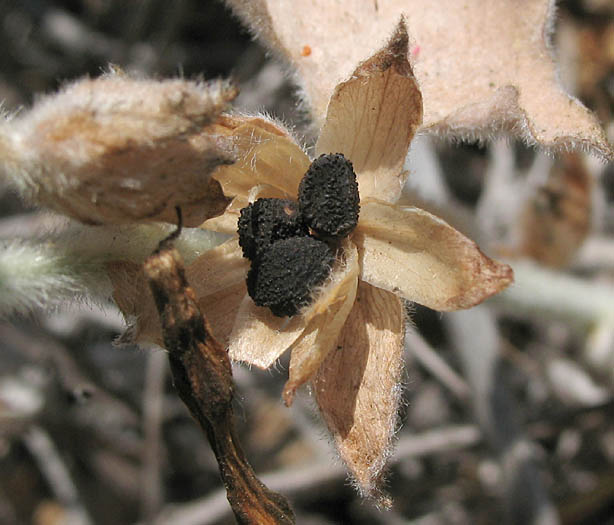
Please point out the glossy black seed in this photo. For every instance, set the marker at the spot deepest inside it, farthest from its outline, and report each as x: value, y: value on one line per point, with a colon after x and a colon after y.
x: 266, y: 221
x: 284, y: 277
x: 328, y: 197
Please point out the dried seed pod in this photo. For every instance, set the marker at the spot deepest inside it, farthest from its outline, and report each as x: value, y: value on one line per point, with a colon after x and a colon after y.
x: 328, y: 196
x: 285, y: 276
x: 265, y: 221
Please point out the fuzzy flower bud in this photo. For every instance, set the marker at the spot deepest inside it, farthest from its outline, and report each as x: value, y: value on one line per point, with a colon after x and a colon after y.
x: 116, y: 150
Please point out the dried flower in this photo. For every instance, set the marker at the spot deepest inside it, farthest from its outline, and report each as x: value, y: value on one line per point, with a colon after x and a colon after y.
x: 348, y: 341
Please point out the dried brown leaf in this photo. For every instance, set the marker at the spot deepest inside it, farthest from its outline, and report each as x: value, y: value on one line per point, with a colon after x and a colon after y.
x: 481, y: 67
x: 357, y: 386
x: 414, y: 254
x: 116, y: 150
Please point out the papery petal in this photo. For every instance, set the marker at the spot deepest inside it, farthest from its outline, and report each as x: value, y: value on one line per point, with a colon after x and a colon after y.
x: 217, y: 269
x: 327, y: 318
x: 259, y: 337
x: 228, y: 221
x: 416, y: 255
x: 373, y: 117
x: 358, y: 385
x: 263, y: 157
x: 220, y: 309
x: 217, y: 278
x: 133, y: 297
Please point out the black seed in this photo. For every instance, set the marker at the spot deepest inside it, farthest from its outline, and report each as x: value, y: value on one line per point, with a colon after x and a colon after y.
x: 328, y: 196
x: 285, y: 276
x: 266, y: 221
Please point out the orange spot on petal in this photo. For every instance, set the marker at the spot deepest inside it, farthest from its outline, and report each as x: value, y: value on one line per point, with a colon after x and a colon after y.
x: 306, y: 51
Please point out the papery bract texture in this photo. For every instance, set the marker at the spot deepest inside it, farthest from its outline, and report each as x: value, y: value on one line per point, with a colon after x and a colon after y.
x: 416, y: 255
x: 373, y: 117
x: 358, y: 386
x: 327, y: 317
x: 219, y: 283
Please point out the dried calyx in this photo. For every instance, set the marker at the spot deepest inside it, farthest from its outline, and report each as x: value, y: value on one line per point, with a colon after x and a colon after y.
x: 292, y: 247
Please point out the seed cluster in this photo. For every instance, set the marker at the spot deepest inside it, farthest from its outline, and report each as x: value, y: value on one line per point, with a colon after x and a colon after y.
x: 266, y: 221
x: 328, y: 197
x: 292, y: 247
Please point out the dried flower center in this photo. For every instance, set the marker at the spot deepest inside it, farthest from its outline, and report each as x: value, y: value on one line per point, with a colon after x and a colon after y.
x: 292, y: 247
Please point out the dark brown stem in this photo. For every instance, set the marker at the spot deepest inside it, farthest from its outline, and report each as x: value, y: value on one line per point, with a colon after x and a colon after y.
x: 203, y: 377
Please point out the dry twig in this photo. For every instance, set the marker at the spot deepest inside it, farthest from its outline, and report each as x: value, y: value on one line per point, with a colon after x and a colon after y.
x: 203, y: 377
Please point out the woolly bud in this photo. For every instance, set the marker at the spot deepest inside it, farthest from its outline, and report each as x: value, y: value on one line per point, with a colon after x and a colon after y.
x: 285, y: 276
x: 117, y: 150
x: 266, y: 221
x: 328, y: 196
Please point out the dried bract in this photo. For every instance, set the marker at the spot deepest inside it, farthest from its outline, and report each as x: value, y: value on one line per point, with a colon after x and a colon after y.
x: 116, y: 150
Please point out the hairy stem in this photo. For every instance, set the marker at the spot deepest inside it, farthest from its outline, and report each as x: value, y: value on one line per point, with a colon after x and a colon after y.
x: 51, y: 269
